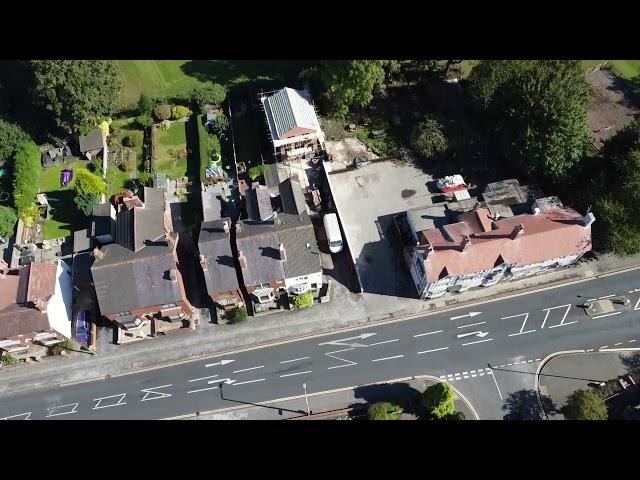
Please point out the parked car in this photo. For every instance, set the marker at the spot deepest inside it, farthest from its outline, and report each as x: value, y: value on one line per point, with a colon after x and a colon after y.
x: 332, y: 229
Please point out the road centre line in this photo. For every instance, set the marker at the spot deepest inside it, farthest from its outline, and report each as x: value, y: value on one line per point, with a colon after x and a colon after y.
x: 247, y: 369
x: 477, y: 341
x: 287, y: 361
x: 387, y: 358
x: 340, y: 366
x: 434, y: 350
x: 297, y: 373
x: 607, y: 315
x: 564, y: 324
x: 428, y: 333
x: 202, y: 378
x: 471, y: 325
x: 590, y: 350
x: 380, y: 343
x: 250, y: 381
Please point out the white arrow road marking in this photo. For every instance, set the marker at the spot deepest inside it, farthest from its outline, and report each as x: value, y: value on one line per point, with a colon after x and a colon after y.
x: 471, y: 325
x: 250, y: 381
x: 477, y: 341
x: 28, y: 416
x: 202, y: 378
x: 428, y: 333
x: 222, y: 362
x: 563, y: 317
x: 330, y: 354
x: 477, y: 334
x: 297, y: 373
x: 150, y: 391
x: 74, y: 409
x: 341, y: 341
x: 226, y: 381
x: 521, y: 332
x: 120, y: 401
x: 434, y: 350
x: 387, y: 358
x: 470, y: 315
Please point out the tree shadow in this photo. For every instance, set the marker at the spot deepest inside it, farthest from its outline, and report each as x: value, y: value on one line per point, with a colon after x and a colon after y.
x: 631, y: 362
x: 400, y: 394
x: 528, y: 405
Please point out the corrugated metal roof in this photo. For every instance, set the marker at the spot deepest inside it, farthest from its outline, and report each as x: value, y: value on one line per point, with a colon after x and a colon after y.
x: 288, y: 109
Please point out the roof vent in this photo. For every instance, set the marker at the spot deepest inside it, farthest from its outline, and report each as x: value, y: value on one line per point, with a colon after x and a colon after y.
x: 588, y: 219
x: 536, y: 210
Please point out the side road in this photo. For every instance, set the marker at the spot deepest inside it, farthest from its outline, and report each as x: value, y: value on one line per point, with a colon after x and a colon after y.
x: 344, y: 311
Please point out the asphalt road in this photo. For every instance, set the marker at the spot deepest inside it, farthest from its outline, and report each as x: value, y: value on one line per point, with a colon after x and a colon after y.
x: 490, y: 368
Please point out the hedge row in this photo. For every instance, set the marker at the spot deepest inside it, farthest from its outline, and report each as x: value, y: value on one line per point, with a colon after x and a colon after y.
x: 203, y: 147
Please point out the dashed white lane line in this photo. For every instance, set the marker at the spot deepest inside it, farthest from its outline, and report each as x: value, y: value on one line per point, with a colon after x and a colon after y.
x: 297, y: 373
x: 604, y: 346
x: 471, y: 325
x: 509, y: 364
x: 380, y: 343
x: 428, y: 333
x: 477, y: 341
x: 520, y: 333
x: 465, y: 373
x: 473, y: 375
x: 537, y: 359
x: 434, y: 350
x: 529, y: 361
x: 250, y: 381
x: 481, y: 374
x: 387, y: 358
x: 591, y: 299
x: 607, y: 296
x: 202, y: 378
x: 631, y: 341
x: 466, y: 376
x: 295, y: 359
x: 616, y: 344
x: 607, y: 315
x: 252, y: 368
x: 202, y: 390
x: 564, y: 324
x: 590, y: 350
x: 501, y: 366
x: 472, y: 371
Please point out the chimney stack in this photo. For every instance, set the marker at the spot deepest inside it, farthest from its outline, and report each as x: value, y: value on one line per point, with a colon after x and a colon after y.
x: 97, y: 254
x: 466, y: 241
x: 173, y: 275
x: 242, y: 259
x: 588, y: 219
x: 225, y: 227
x: 427, y: 251
x: 40, y: 305
x: 517, y: 231
x: 203, y: 263
x: 283, y: 253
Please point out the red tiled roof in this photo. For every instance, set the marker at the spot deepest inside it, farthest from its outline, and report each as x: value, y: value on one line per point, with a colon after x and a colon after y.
x: 551, y: 234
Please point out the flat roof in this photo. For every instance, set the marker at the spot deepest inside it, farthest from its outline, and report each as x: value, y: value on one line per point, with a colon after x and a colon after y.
x: 431, y: 216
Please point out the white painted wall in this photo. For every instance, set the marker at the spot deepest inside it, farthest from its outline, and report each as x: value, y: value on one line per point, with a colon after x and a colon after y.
x: 311, y: 278
x: 60, y: 305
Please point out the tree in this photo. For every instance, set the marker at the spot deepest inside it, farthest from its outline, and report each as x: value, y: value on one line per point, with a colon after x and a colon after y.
x: 8, y: 359
x: 8, y: 219
x: 86, y: 183
x: 25, y: 180
x: 439, y: 400
x: 145, y: 178
x: 384, y: 411
x: 256, y: 171
x: 221, y: 125
x: 538, y: 110
x: 179, y: 111
x: 146, y: 104
x: 349, y: 82
x: 11, y: 137
x: 213, y: 94
x: 455, y: 416
x: 162, y: 112
x: 79, y: 93
x: 428, y: 138
x: 304, y: 300
x: 585, y: 405
x: 240, y: 315
x: 85, y: 203
x: 144, y: 120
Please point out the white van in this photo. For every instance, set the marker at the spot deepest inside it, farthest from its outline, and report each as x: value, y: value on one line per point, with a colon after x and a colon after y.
x: 332, y: 230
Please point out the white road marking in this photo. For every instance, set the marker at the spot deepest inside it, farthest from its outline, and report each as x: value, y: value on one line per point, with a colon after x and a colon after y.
x: 466, y: 376
x: 428, y: 333
x: 28, y: 416
x: 529, y: 361
x: 470, y: 315
x: 202, y: 390
x: 473, y: 375
x: 501, y: 366
x: 564, y: 324
x: 297, y: 373
x: 496, y: 382
x: 73, y: 410
x: 607, y: 315
x: 619, y: 343
x: 477, y: 341
x: 340, y: 366
x: 509, y: 364
x: 340, y: 341
x: 457, y: 374
x: 434, y: 350
x: 288, y: 361
x: 631, y: 341
x: 226, y: 381
x: 350, y: 362
x: 590, y: 350
x: 537, y: 359
x: 450, y: 376
x: 252, y: 368
x: 591, y: 299
x: 380, y: 343
x: 158, y: 395
x: 553, y: 308
x: 387, y: 358
x: 472, y: 371
x: 221, y: 362
x: 520, y: 333
x: 465, y: 373
x: 481, y: 374
x: 250, y: 381
x: 607, y: 296
x: 604, y: 346
x: 120, y: 401
x: 443, y: 376
x: 636, y: 307
x: 471, y: 325
x: 202, y: 378
x: 526, y: 316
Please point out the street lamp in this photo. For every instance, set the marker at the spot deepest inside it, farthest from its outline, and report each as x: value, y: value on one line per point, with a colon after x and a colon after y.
x: 304, y: 385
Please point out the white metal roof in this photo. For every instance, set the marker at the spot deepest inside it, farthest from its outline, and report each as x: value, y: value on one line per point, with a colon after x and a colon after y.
x: 288, y: 109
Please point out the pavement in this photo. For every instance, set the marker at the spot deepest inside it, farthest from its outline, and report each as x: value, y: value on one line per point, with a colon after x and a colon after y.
x: 489, y: 357
x: 566, y: 373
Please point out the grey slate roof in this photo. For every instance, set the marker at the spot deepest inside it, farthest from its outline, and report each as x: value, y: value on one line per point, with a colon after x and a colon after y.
x: 153, y: 198
x: 101, y: 220
x: 81, y: 240
x: 258, y: 242
x: 211, y: 206
x: 292, y: 197
x: 125, y: 280
x: 258, y: 203
x: 215, y: 245
x: 288, y: 109
x: 141, y: 224
x: 93, y: 141
x: 294, y: 232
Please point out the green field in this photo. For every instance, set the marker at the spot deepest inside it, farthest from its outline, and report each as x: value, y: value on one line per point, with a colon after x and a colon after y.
x: 171, y: 140
x: 630, y: 69
x: 173, y: 77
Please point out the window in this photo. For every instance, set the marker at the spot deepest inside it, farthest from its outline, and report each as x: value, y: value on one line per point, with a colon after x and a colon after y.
x: 123, y: 314
x: 314, y: 286
x: 168, y: 305
x: 264, y: 298
x: 261, y: 286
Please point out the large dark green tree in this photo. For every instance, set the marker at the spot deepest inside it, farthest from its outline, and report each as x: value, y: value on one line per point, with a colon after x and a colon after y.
x: 25, y: 180
x: 439, y: 400
x: 8, y: 221
x: 428, y: 138
x: 79, y: 93
x: 538, y: 110
x: 585, y: 405
x: 11, y: 137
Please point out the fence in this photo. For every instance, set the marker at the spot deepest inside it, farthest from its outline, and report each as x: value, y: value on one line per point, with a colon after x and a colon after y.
x: 152, y: 149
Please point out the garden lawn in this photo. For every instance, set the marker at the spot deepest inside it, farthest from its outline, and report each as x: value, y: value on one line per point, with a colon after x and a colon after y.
x: 65, y: 218
x: 171, y: 140
x: 629, y: 68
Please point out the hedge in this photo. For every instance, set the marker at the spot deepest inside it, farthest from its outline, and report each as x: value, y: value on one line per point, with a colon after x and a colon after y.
x: 25, y: 182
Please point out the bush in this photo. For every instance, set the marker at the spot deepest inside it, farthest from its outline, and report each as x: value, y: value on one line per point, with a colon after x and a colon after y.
x: 8, y: 359
x: 85, y: 203
x: 25, y: 181
x: 127, y: 141
x: 87, y: 183
x: 144, y: 121
x: 134, y: 139
x: 145, y: 105
x: 240, y: 315
x: 128, y: 165
x: 455, y: 416
x: 179, y: 111
x: 145, y: 178
x: 95, y: 166
x: 304, y: 300
x: 59, y: 347
x: 256, y: 171
x: 585, y: 405
x: 428, y: 138
x: 162, y: 112
x: 181, y: 153
x: 210, y: 95
x: 384, y: 411
x: 439, y: 400
x: 8, y: 219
